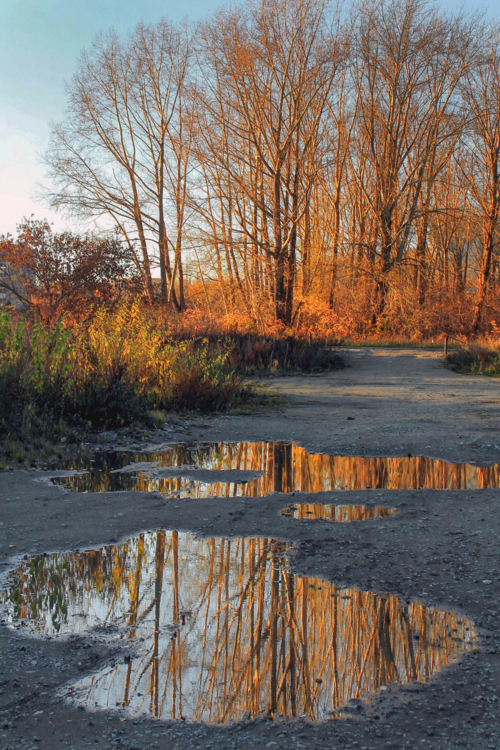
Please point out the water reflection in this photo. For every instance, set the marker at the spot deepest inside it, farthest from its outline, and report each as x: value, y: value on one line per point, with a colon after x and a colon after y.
x: 218, y: 628
x: 284, y: 467
x: 337, y: 513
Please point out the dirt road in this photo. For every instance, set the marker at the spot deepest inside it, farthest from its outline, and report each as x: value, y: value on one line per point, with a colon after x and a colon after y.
x: 441, y: 549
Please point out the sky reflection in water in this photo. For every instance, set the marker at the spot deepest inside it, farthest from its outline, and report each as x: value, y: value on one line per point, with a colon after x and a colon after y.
x: 217, y: 628
x: 284, y: 467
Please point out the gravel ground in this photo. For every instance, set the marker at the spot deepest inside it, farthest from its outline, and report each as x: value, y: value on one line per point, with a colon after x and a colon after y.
x: 442, y: 549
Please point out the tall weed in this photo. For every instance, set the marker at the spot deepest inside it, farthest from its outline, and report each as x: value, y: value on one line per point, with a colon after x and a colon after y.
x: 109, y: 372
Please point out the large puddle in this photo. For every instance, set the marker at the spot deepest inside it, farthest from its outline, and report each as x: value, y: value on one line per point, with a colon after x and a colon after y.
x: 219, y: 629
x: 195, y: 471
x: 337, y: 513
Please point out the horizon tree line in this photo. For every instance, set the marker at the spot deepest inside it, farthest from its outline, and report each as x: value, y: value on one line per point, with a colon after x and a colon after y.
x: 284, y: 149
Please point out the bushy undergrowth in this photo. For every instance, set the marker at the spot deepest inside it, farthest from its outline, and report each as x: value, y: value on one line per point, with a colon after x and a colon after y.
x: 250, y: 354
x: 476, y: 360
x: 119, y: 367
x: 109, y: 372
x: 351, y: 313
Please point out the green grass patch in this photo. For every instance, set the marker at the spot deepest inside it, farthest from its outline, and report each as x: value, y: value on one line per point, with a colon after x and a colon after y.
x: 474, y: 361
x: 257, y: 400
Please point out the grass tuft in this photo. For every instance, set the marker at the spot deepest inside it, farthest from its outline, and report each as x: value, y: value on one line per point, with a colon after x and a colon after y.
x: 250, y: 354
x: 474, y: 361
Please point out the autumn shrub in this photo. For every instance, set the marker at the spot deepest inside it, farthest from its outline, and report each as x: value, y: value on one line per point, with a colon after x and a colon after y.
x: 34, y: 370
x: 166, y: 372
x: 491, y: 368
x: 55, y: 274
x: 250, y: 354
x: 410, y: 314
x: 40, y: 381
x: 459, y: 361
x: 476, y: 360
x: 110, y: 371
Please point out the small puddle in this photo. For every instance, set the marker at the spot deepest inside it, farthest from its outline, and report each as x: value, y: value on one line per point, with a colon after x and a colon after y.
x: 196, y: 471
x: 217, y: 630
x: 337, y: 513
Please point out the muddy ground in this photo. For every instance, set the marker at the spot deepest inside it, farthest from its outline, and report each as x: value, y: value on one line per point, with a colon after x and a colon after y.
x: 439, y: 549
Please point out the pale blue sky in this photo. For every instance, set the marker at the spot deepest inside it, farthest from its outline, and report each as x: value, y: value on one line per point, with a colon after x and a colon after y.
x: 39, y: 43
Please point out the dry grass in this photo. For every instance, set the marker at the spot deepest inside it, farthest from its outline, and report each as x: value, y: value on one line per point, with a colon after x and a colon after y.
x: 477, y: 360
x: 126, y: 367
x: 110, y: 372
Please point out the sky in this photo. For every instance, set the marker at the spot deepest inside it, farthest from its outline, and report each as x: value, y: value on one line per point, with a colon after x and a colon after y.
x: 40, y: 41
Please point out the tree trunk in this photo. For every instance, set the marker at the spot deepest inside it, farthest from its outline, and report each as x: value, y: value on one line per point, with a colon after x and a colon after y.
x: 279, y: 256
x: 483, y: 278
x: 421, y: 260
x: 335, y: 247
x: 292, y: 251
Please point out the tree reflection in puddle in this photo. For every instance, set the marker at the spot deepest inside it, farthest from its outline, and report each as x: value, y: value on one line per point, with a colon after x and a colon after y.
x: 186, y: 470
x: 337, y: 513
x: 220, y: 629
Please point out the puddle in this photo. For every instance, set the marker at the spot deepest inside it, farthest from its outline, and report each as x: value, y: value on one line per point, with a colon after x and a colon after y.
x: 218, y: 630
x: 194, y: 471
x: 337, y: 513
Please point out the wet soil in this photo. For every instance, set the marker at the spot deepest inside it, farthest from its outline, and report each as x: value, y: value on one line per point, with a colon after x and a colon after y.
x: 441, y: 549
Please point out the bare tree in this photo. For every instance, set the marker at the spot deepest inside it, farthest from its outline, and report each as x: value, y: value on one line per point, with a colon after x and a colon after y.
x: 482, y: 172
x: 269, y: 70
x: 407, y: 67
x: 298, y: 154
x: 122, y: 151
